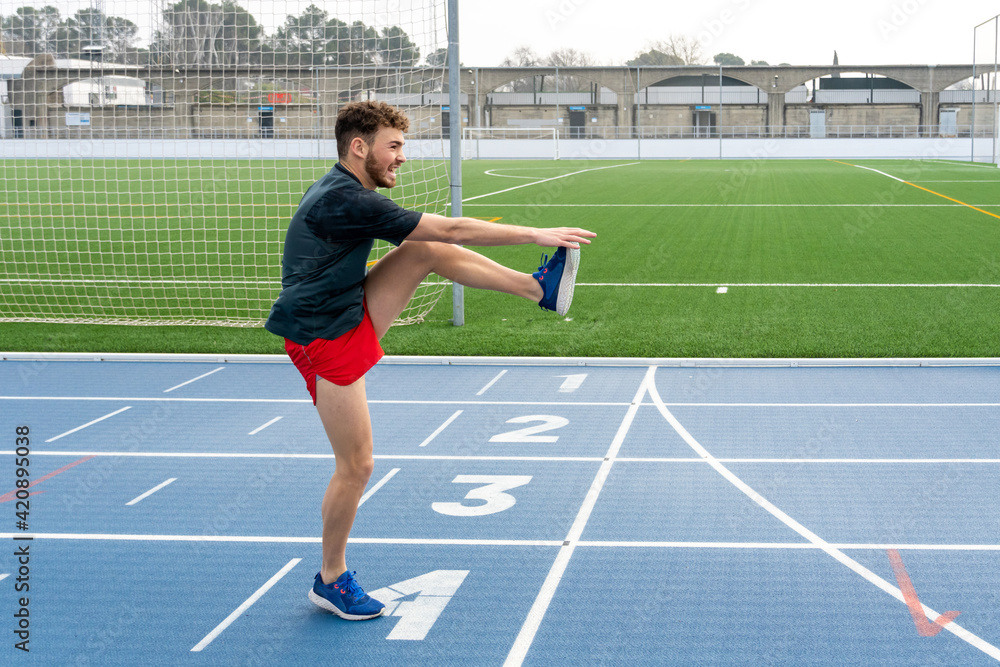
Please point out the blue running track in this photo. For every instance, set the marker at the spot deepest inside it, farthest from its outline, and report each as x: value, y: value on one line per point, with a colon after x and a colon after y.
x: 518, y: 514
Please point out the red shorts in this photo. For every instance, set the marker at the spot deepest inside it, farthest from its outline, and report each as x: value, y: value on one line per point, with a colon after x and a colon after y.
x: 342, y: 361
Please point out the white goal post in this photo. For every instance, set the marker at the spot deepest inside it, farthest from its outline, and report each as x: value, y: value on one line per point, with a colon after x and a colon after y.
x: 491, y: 143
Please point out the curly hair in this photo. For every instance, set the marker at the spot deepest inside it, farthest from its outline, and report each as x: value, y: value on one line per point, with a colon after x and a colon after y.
x: 365, y: 119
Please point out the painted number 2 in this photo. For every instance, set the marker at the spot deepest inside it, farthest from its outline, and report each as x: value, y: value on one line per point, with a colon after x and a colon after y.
x: 492, y: 494
x: 530, y: 434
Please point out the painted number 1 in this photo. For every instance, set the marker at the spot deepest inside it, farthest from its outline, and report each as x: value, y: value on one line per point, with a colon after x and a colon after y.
x: 492, y: 494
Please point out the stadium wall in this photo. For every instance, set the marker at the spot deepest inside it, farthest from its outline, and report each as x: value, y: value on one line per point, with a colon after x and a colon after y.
x: 576, y: 149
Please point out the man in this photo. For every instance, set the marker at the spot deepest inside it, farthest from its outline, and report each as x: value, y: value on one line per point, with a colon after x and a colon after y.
x: 332, y: 310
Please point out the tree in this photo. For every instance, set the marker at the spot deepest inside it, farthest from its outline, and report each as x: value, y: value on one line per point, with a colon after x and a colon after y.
x: 675, y: 50
x: 569, y: 57
x: 728, y: 60
x: 89, y: 27
x: 522, y: 56
x: 202, y: 33
x: 759, y: 63
x: 395, y: 49
x: 35, y: 28
x: 437, y: 58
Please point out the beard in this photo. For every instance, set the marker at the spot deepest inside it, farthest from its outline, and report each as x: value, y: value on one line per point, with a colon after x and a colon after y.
x: 376, y: 173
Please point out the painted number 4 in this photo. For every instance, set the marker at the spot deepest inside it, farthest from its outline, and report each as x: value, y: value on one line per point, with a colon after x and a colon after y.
x: 492, y: 494
x: 433, y: 591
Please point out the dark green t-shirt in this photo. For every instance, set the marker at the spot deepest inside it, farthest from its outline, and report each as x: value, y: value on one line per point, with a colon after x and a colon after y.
x: 323, y: 268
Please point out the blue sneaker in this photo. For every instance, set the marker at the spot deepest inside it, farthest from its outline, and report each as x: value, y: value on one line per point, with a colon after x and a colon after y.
x: 557, y: 277
x: 345, y: 598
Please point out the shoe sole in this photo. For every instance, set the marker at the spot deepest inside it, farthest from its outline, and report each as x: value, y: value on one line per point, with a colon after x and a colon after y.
x: 568, y: 281
x: 323, y: 603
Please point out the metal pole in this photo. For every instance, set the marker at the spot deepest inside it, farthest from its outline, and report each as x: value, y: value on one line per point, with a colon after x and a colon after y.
x: 719, y: 121
x: 972, y: 132
x: 455, y: 157
x: 996, y: 38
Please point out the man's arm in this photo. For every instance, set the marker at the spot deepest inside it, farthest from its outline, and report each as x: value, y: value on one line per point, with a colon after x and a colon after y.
x: 469, y: 231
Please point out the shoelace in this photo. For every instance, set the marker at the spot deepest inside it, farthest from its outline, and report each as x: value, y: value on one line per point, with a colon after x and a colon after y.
x: 351, y: 587
x: 545, y: 260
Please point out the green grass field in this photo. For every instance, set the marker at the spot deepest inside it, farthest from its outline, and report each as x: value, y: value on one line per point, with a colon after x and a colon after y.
x: 820, y: 258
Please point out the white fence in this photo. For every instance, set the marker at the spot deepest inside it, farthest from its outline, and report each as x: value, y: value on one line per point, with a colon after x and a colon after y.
x: 604, y: 149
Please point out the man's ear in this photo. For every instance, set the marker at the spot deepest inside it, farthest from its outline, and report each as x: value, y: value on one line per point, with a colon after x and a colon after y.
x: 359, y: 147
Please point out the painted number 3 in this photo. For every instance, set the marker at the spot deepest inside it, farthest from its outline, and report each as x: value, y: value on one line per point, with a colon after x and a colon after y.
x: 492, y: 494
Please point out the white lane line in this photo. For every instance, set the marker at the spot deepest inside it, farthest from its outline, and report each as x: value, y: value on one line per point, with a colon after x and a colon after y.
x: 151, y: 491
x: 210, y: 637
x: 541, y: 604
x: 546, y: 180
x: 442, y: 427
x: 292, y: 539
x: 542, y: 459
x: 879, y: 172
x: 167, y: 391
x: 378, y: 485
x: 822, y: 544
x: 491, y: 382
x: 263, y: 426
x: 4, y: 576
x: 585, y: 404
x: 91, y: 423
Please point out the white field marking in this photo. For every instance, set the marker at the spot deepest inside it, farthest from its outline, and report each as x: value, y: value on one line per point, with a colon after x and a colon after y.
x: 822, y: 544
x: 541, y: 604
x: 167, y: 391
x: 895, y: 178
x: 378, y: 485
x: 442, y: 427
x: 246, y: 605
x: 151, y: 491
x: 263, y: 426
x: 955, y: 163
x: 572, y: 382
x: 546, y: 180
x: 291, y: 539
x: 988, y: 181
x: 723, y: 205
x: 89, y: 423
x: 537, y: 459
x: 490, y: 173
x: 994, y: 285
x: 491, y: 382
x: 722, y: 290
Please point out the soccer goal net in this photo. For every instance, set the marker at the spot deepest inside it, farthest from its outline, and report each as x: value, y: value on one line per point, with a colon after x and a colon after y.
x: 152, y: 154
x: 490, y: 143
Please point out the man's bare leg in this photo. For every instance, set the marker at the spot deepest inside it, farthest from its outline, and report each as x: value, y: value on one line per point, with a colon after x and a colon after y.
x: 344, y: 413
x: 390, y: 285
x: 394, y: 279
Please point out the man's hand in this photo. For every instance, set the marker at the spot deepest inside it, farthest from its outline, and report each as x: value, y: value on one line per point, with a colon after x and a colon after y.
x: 566, y: 237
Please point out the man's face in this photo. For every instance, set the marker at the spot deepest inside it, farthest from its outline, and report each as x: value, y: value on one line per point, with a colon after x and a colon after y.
x: 385, y: 156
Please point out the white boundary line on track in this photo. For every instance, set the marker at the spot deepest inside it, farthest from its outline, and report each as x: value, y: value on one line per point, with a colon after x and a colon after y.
x: 210, y: 637
x: 378, y: 485
x: 90, y: 423
x: 541, y: 604
x: 203, y: 375
x: 441, y: 428
x: 491, y: 382
x: 546, y: 180
x: 804, y: 532
x: 263, y: 426
x: 611, y: 404
x: 482, y: 542
x: 536, y: 459
x: 150, y: 492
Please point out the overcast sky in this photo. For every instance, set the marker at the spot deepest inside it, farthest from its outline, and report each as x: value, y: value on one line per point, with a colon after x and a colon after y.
x: 799, y: 32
